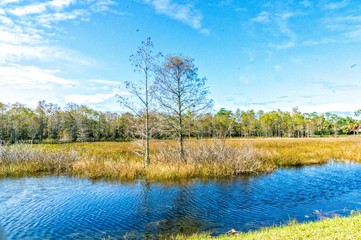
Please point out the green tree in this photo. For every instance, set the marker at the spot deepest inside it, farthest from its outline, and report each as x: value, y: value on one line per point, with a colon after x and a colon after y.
x: 224, y: 123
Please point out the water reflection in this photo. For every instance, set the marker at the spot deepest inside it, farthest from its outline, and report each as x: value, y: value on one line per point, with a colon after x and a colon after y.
x: 66, y: 208
x: 2, y: 233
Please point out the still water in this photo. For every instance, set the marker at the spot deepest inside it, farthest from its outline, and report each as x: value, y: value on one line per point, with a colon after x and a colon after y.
x: 71, y: 208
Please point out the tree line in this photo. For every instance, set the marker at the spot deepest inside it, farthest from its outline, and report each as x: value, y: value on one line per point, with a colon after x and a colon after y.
x: 78, y: 123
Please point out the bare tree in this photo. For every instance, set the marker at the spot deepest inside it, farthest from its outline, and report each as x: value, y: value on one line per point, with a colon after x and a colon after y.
x: 180, y: 92
x: 142, y: 91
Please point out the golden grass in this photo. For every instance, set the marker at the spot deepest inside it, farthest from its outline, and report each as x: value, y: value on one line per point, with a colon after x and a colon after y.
x: 205, y: 158
x: 306, y: 151
x: 331, y: 229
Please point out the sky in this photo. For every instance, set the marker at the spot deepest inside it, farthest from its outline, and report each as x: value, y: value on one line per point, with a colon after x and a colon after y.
x: 255, y: 54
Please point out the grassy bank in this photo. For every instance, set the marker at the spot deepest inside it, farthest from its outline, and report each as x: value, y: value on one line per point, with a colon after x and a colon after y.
x: 205, y: 159
x: 336, y: 228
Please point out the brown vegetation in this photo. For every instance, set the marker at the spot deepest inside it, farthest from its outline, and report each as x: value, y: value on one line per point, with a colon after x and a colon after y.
x: 204, y: 158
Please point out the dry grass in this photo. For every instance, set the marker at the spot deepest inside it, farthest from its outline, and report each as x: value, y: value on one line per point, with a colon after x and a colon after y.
x: 306, y: 151
x: 205, y: 159
x: 22, y: 160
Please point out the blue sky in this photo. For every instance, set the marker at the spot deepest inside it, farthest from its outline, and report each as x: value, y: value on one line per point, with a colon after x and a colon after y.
x: 255, y: 54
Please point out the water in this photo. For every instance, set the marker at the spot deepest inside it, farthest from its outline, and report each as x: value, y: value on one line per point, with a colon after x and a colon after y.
x: 70, y: 208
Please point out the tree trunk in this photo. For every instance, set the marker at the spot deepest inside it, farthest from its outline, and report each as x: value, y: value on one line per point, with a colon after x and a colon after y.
x: 181, y: 139
x: 147, y: 139
x: 147, y: 132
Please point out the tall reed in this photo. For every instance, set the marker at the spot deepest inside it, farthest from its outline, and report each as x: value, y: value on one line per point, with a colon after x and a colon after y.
x: 22, y: 159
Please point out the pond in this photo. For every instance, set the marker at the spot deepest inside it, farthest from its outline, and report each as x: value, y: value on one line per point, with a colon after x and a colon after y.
x: 71, y: 208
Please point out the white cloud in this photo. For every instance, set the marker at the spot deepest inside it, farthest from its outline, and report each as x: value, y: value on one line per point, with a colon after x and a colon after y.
x: 277, y: 67
x: 89, y: 99
x: 13, y: 53
x: 48, y: 19
x: 263, y: 17
x: 104, y: 6
x: 337, y: 5
x: 29, y: 9
x: 31, y: 77
x: 185, y: 13
x: 27, y: 51
x: 21, y: 38
x: 6, y: 21
x: 355, y: 34
x: 4, y: 2
x: 277, y: 23
x: 96, y: 97
x: 317, y: 42
x: 350, y: 18
x: 349, y: 26
x: 39, y: 8
x: 105, y: 82
x: 246, y: 79
x: 306, y: 3
x: 332, y: 107
x: 60, y: 4
x: 17, y: 35
x: 287, y: 45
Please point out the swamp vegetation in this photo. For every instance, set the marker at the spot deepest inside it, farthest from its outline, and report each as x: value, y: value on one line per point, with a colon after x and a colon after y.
x: 203, y: 158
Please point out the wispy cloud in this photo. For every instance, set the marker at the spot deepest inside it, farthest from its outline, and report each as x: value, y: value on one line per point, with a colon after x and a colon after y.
x: 306, y: 3
x: 355, y: 34
x: 338, y: 87
x: 317, y: 42
x: 60, y: 4
x: 270, y: 102
x: 29, y: 9
x: 262, y: 17
x: 94, y: 98
x: 32, y: 77
x: 28, y: 31
x: 22, y: 36
x: 4, y: 2
x: 105, y: 6
x: 277, y: 67
x: 89, y: 99
x: 334, y: 107
x: 281, y: 46
x: 313, y: 96
x: 105, y: 82
x: 277, y: 23
x: 48, y: 19
x: 337, y: 5
x: 349, y: 26
x: 185, y: 13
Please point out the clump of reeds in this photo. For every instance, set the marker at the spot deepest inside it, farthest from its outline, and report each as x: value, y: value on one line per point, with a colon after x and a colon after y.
x: 23, y: 159
x: 218, y: 159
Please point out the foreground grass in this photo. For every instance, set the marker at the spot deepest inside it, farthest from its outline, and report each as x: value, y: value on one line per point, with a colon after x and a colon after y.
x: 336, y: 228
x: 205, y: 159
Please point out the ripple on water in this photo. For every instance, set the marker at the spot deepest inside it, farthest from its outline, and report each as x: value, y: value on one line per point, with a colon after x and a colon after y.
x: 68, y: 208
